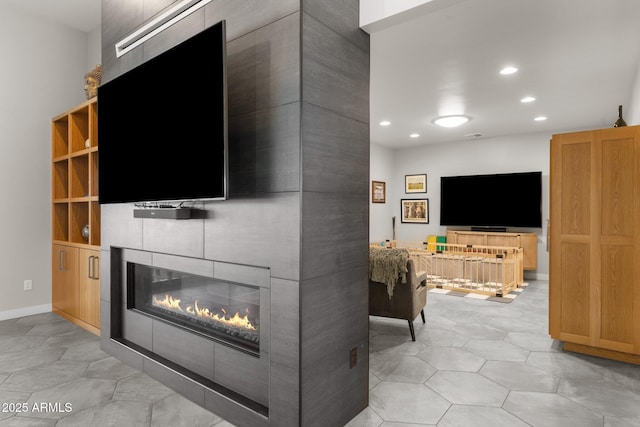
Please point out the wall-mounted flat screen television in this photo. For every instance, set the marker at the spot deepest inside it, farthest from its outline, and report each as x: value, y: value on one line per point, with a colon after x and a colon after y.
x: 496, y: 200
x: 162, y: 126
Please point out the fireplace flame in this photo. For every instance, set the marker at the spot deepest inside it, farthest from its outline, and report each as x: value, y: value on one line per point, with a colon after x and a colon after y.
x: 236, y: 320
x: 168, y: 302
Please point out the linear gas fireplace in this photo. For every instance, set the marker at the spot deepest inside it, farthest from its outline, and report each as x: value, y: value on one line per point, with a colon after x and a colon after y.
x: 220, y: 310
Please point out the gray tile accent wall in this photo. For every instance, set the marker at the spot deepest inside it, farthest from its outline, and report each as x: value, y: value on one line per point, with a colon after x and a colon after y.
x: 335, y: 213
x: 245, y: 16
x: 335, y: 71
x: 298, y: 198
x: 340, y: 16
x: 263, y: 231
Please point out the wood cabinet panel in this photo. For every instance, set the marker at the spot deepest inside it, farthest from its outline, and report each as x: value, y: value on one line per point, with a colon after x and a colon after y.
x: 575, y: 188
x: 617, y: 188
x: 575, y: 297
x: 64, y: 289
x: 594, y: 281
x: 89, y: 286
x: 616, y: 307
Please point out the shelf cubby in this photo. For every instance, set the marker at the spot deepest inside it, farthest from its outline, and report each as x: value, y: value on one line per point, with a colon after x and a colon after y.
x: 60, y: 136
x: 79, y: 176
x: 93, y: 174
x: 94, y: 229
x: 79, y: 219
x: 61, y: 221
x: 79, y: 120
x: 61, y: 179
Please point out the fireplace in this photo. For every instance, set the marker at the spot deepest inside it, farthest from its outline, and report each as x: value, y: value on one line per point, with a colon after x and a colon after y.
x: 199, y: 325
x: 220, y: 310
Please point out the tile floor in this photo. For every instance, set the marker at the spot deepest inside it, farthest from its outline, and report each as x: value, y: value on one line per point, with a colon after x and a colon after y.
x: 485, y: 363
x: 474, y: 363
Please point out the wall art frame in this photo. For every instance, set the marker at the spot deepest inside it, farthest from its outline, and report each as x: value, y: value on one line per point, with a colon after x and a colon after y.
x: 415, y: 211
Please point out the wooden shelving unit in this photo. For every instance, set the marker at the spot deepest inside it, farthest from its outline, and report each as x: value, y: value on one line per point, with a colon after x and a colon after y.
x: 75, y: 206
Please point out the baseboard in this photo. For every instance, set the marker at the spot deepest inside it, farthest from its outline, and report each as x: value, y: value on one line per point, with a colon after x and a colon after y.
x: 536, y: 276
x: 26, y: 311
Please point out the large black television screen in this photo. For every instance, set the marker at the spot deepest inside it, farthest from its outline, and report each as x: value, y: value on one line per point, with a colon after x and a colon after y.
x: 162, y: 126
x: 497, y: 200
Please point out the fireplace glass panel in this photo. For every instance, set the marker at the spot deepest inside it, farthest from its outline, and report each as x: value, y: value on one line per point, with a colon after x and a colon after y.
x: 227, y: 312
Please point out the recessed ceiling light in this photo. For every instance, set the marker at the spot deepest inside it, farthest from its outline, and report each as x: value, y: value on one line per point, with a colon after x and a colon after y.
x: 385, y: 123
x: 451, y: 121
x: 414, y: 135
x: 527, y: 99
x: 540, y: 119
x: 508, y: 70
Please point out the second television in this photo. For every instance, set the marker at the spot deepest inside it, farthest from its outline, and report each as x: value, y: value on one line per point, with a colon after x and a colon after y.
x: 494, y: 200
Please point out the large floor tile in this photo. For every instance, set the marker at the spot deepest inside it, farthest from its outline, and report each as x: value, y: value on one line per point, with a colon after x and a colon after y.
x: 44, y: 376
x: 550, y: 410
x: 406, y: 369
x: 602, y: 396
x: 407, y: 403
x: 452, y: 359
x: 520, y: 376
x: 479, y: 416
x: 496, y: 350
x: 79, y: 395
x: 467, y: 388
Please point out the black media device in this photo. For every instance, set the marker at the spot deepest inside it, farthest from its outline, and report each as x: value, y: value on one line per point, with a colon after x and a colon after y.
x: 162, y: 126
x: 493, y: 201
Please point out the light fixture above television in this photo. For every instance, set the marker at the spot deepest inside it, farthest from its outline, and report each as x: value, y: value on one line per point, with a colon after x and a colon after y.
x: 157, y: 24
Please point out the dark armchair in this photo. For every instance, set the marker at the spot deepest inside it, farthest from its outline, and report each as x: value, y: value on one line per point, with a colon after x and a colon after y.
x: 403, y: 298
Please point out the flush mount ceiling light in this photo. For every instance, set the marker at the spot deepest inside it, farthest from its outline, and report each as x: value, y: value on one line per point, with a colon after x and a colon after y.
x: 451, y: 121
x: 508, y: 70
x: 385, y: 123
x: 527, y: 99
x: 540, y: 119
x: 414, y: 135
x: 158, y: 23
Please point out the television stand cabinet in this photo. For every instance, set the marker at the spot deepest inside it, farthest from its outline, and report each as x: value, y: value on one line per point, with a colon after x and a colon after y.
x: 527, y: 241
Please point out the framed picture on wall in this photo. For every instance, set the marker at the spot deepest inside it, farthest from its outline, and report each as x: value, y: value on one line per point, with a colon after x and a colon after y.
x: 415, y: 183
x: 378, y: 192
x: 415, y: 211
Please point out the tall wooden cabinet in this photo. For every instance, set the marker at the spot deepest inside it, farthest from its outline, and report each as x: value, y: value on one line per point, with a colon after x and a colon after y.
x: 76, y: 216
x: 594, y: 254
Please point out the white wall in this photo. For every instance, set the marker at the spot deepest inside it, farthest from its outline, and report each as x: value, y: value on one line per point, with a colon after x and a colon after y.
x: 42, y: 75
x: 380, y: 214
x: 631, y: 115
x: 517, y: 153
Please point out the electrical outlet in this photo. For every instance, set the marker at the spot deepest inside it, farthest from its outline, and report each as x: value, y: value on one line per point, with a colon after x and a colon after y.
x: 353, y: 357
x: 28, y: 285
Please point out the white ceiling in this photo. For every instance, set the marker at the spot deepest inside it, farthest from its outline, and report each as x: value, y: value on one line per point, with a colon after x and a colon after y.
x: 579, y: 58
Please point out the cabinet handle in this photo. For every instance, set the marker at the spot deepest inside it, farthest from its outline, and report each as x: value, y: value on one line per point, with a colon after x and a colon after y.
x: 96, y: 271
x: 92, y: 267
x: 61, y: 260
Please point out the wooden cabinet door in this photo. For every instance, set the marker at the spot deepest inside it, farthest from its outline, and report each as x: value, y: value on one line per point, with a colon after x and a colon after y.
x: 64, y: 279
x: 89, y: 286
x: 571, y: 267
x: 616, y: 249
x: 594, y: 265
